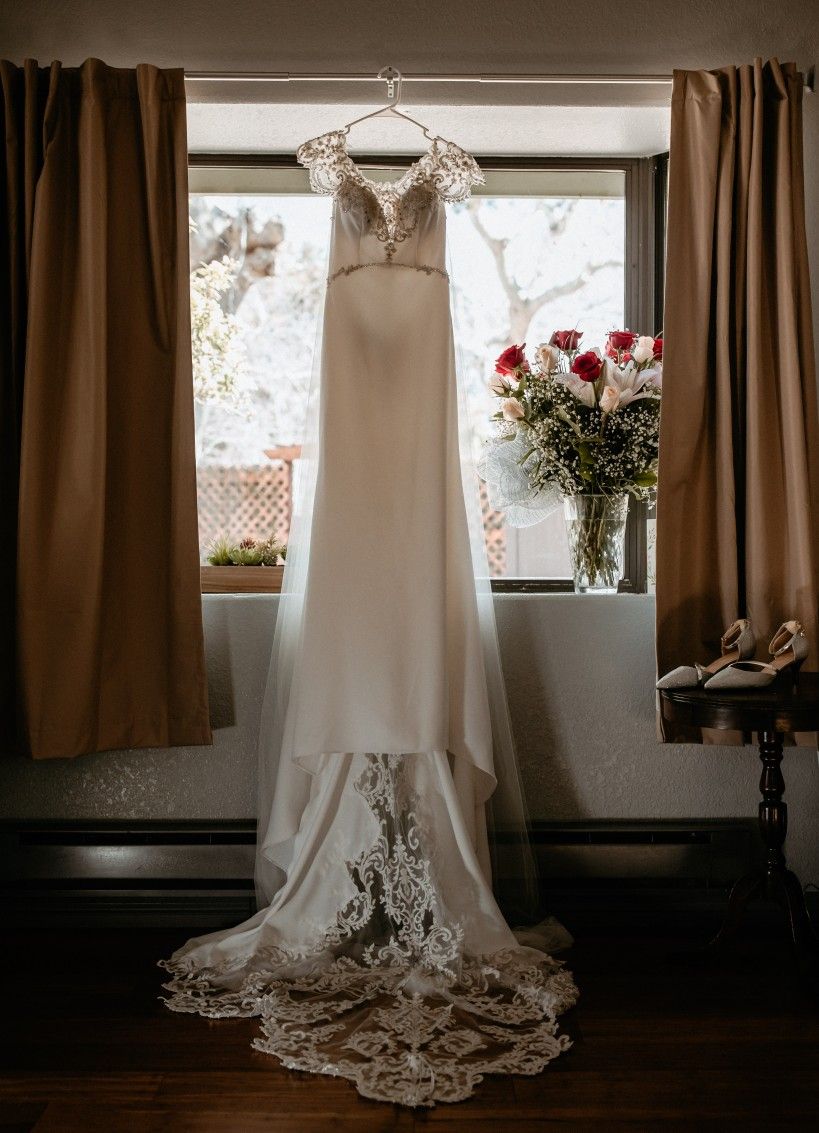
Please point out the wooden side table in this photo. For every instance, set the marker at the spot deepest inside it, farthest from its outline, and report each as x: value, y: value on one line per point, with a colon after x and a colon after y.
x: 772, y: 713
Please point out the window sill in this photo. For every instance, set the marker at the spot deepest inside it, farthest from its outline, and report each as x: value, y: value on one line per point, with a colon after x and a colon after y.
x: 268, y: 580
x: 241, y: 579
x: 549, y: 586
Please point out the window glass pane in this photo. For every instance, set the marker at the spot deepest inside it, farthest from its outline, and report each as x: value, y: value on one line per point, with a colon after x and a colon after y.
x: 523, y: 265
x: 255, y: 316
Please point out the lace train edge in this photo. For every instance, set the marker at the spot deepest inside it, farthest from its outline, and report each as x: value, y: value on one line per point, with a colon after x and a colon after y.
x: 388, y: 994
x: 400, y: 1035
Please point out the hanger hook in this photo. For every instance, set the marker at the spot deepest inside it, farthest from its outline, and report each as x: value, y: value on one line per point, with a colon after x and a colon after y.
x: 392, y: 76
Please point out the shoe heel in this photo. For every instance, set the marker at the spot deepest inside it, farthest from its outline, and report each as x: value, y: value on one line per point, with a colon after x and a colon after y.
x: 788, y: 678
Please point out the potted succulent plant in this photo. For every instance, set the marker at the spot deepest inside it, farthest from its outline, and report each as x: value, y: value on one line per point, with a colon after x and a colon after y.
x: 234, y: 567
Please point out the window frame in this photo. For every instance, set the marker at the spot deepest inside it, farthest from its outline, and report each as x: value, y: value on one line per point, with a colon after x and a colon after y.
x: 645, y: 180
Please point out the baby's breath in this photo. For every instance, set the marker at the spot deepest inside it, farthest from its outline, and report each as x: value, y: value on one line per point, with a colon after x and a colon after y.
x: 582, y: 450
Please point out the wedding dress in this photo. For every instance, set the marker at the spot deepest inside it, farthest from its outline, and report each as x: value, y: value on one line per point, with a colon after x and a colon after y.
x: 380, y: 954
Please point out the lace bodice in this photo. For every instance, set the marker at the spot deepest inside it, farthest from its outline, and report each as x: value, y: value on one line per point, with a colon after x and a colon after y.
x: 391, y: 209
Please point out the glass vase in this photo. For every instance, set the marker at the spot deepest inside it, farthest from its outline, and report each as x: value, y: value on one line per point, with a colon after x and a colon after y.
x: 596, y: 529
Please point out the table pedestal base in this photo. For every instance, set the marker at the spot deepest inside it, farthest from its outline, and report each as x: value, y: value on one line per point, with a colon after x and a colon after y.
x: 775, y: 882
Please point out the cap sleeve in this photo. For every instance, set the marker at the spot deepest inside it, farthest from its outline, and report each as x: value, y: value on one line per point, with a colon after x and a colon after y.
x: 456, y: 171
x: 324, y: 158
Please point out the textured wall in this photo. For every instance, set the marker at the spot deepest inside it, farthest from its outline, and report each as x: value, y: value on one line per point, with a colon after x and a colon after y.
x: 579, y: 672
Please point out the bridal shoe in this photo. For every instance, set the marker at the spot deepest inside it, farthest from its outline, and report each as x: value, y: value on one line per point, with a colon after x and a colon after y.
x: 789, y: 648
x: 738, y: 643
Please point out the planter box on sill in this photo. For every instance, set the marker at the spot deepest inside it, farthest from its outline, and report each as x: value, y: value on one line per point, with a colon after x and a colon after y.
x: 241, y: 579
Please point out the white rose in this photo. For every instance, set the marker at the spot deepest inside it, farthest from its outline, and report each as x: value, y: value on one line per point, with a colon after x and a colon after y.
x: 499, y: 386
x: 548, y: 357
x: 609, y: 399
x: 512, y: 409
x: 644, y: 349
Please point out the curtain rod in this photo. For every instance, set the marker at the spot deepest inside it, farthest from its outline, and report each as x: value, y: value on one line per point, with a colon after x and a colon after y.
x: 308, y: 77
x: 548, y: 80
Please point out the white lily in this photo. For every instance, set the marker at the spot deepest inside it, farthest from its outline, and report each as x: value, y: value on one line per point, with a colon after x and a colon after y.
x: 583, y: 391
x: 628, y: 382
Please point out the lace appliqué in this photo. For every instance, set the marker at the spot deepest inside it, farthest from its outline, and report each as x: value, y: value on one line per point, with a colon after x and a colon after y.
x: 387, y: 998
x: 391, y: 208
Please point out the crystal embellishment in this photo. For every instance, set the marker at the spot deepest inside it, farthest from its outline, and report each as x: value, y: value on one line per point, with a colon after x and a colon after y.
x: 348, y: 269
x: 392, y: 208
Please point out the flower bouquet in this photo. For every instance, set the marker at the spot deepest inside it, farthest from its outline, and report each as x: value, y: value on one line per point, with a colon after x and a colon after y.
x: 581, y: 426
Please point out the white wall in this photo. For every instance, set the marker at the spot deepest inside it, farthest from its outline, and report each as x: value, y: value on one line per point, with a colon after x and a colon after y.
x: 580, y: 678
x: 580, y: 671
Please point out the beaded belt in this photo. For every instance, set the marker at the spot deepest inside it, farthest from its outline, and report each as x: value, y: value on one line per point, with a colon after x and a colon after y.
x: 428, y: 269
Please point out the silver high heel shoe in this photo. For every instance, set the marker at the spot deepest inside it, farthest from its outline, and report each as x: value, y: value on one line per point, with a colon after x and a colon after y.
x: 738, y: 643
x: 788, y: 649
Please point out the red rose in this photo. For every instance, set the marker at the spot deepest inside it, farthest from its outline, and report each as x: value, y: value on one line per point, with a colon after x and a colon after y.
x: 512, y: 359
x: 658, y: 349
x: 587, y: 366
x: 620, y: 340
x: 566, y: 339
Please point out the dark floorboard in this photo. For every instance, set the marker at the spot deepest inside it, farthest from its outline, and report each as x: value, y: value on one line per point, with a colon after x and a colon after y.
x: 663, y: 1039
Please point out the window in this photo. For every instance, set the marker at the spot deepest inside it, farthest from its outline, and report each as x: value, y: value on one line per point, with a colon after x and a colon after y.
x: 536, y: 249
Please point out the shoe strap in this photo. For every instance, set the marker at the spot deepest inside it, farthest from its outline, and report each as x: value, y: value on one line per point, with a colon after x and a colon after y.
x: 730, y: 639
x: 786, y: 633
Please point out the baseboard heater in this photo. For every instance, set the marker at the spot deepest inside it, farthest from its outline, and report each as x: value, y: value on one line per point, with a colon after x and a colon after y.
x: 201, y: 873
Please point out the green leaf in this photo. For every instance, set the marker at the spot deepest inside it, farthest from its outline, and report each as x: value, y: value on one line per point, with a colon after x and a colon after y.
x: 645, y: 479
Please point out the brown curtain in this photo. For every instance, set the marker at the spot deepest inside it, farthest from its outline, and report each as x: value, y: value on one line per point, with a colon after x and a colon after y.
x: 738, y: 506
x: 96, y: 378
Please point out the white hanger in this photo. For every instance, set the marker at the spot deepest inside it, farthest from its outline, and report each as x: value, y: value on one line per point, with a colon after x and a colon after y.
x: 393, y: 79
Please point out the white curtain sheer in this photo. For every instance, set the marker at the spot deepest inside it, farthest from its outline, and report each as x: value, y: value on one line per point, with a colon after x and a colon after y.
x: 284, y: 786
x: 514, y: 868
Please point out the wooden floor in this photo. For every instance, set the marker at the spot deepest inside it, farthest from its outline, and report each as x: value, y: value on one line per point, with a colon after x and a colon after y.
x: 661, y: 1041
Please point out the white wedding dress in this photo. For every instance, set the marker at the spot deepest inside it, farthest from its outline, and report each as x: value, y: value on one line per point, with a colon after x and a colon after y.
x: 381, y: 954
